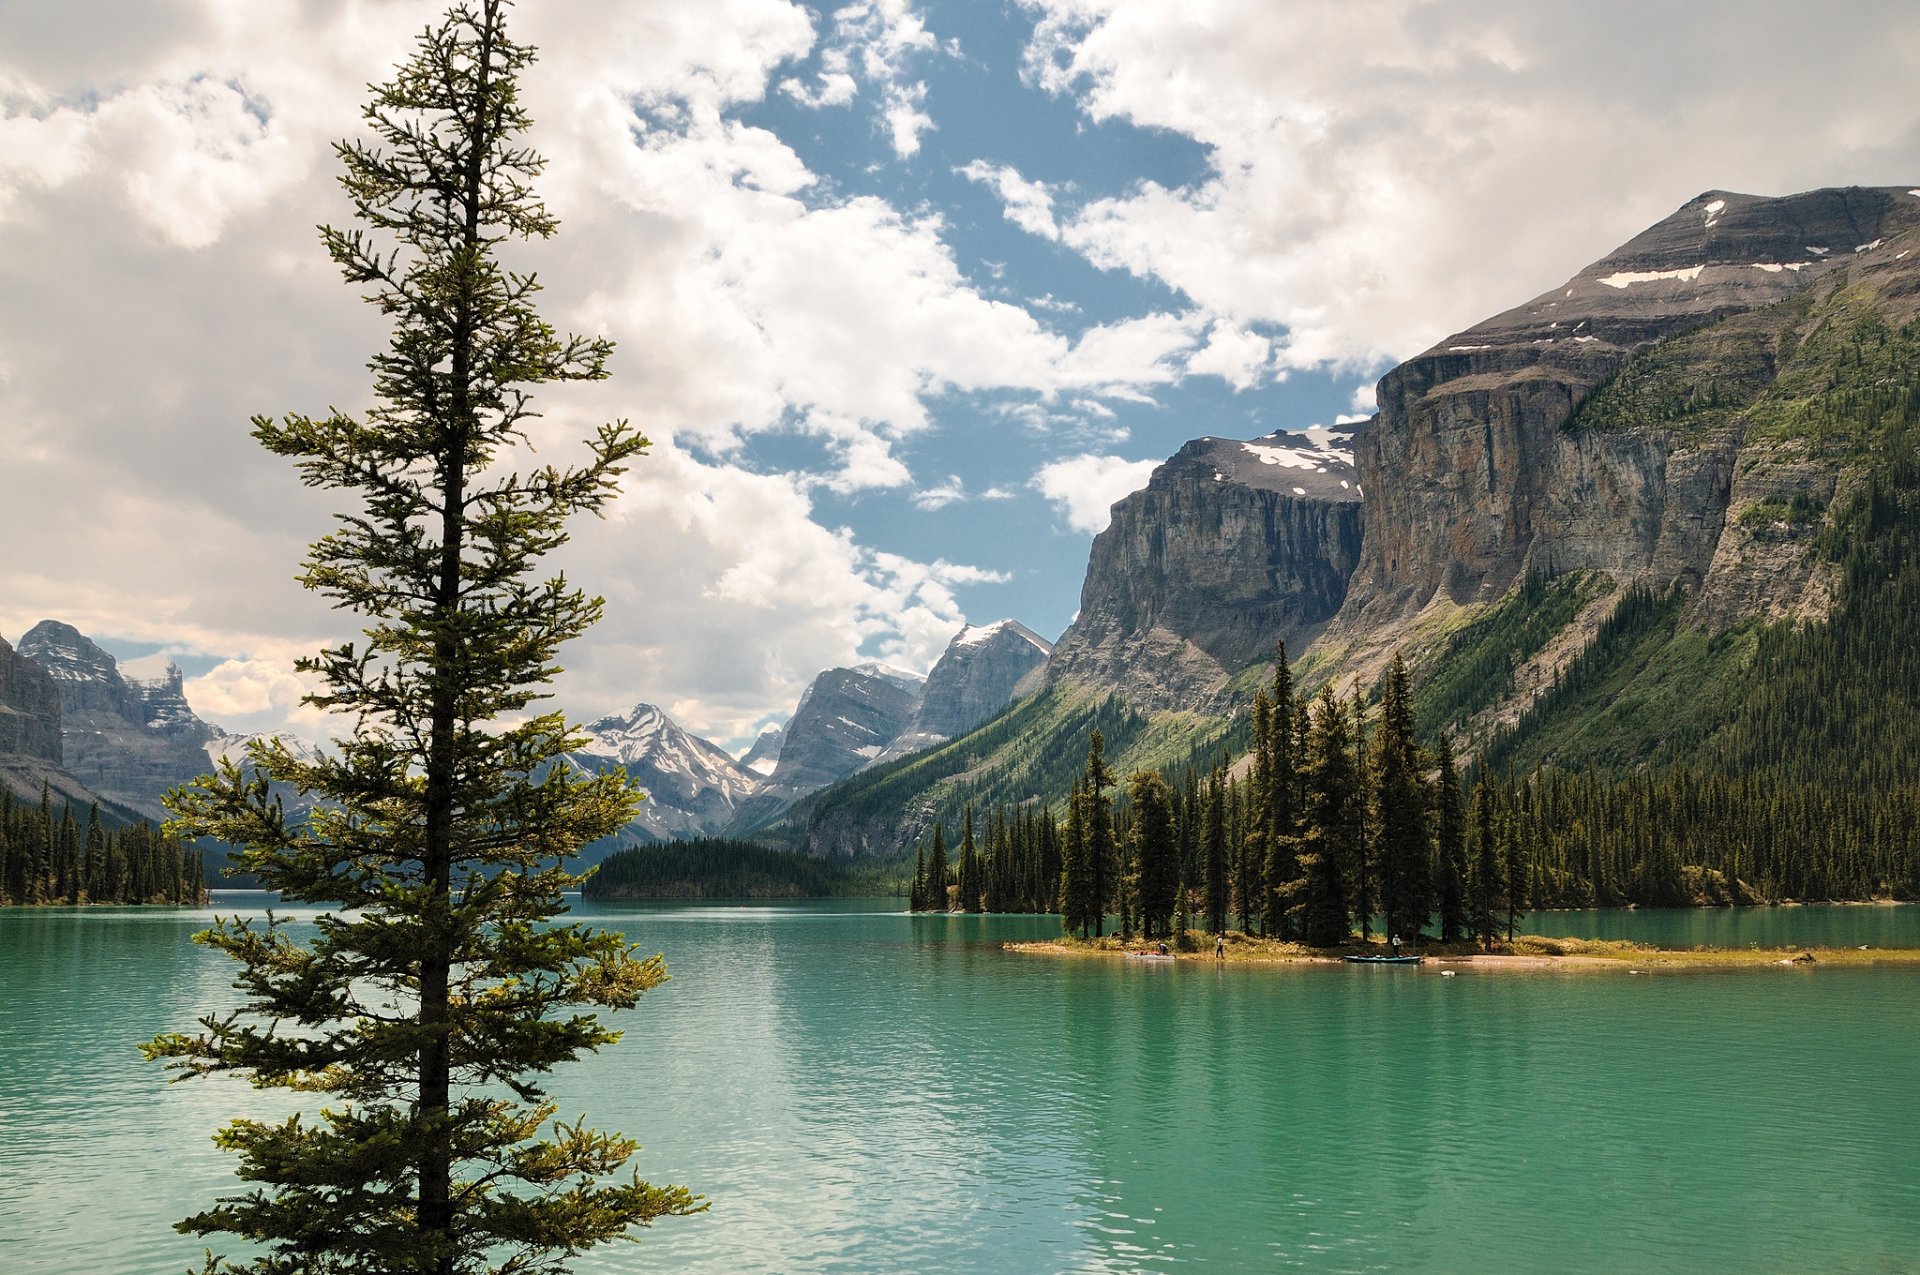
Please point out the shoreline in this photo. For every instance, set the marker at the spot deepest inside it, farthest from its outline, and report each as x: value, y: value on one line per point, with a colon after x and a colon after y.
x: 1527, y: 954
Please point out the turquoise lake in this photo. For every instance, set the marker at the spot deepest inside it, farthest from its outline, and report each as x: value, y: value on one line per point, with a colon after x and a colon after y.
x: 858, y: 1090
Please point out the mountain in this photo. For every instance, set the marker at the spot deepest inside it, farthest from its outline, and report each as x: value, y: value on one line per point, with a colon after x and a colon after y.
x: 32, y: 752
x: 973, y: 680
x: 845, y: 719
x: 1608, y: 424
x: 125, y: 739
x: 1230, y: 547
x: 1588, y: 522
x: 693, y: 787
x: 765, y: 753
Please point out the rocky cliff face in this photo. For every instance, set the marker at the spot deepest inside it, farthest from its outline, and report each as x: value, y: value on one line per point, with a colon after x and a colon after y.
x: 846, y: 718
x: 29, y: 709
x: 1231, y: 547
x: 128, y: 740
x: 1488, y: 460
x: 693, y: 787
x: 974, y: 679
x: 765, y: 753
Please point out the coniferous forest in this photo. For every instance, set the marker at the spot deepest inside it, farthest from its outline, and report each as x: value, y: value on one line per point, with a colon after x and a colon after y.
x: 1340, y: 819
x: 49, y: 858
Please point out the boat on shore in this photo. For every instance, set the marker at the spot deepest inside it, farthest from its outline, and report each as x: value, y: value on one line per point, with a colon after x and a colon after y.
x: 1383, y: 960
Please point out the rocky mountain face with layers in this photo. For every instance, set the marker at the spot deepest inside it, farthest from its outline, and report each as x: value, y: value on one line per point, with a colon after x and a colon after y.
x: 29, y: 709
x: 693, y: 787
x: 31, y: 750
x: 125, y: 739
x: 1609, y: 425
x: 845, y: 719
x: 1231, y: 547
x: 975, y: 677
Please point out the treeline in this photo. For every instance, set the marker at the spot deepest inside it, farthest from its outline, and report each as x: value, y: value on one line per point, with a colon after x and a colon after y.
x: 49, y: 858
x: 716, y: 868
x: 1017, y: 869
x: 1335, y: 820
x: 1340, y: 818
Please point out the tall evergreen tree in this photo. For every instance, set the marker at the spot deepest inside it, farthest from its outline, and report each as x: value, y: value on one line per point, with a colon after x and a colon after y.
x: 1102, y: 850
x: 1156, y: 854
x: 1403, y: 841
x: 1450, y: 826
x: 437, y: 994
x: 936, y: 887
x: 1489, y: 887
x: 1079, y: 905
x: 1282, y: 866
x: 1213, y: 848
x: 1331, y: 822
x: 972, y: 878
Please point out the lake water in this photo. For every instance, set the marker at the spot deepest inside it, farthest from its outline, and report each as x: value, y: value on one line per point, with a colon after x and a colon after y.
x: 858, y: 1090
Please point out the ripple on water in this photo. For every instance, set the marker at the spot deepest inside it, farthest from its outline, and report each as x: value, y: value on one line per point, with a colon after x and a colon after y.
x: 862, y: 1091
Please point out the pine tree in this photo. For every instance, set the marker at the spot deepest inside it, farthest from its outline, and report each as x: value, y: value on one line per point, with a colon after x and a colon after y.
x: 1079, y: 906
x: 1332, y: 793
x: 1102, y: 851
x: 1489, y: 887
x: 972, y: 880
x: 437, y: 995
x: 936, y: 887
x: 1282, y: 867
x: 1156, y: 855
x: 1403, y: 841
x: 1450, y: 825
x: 1213, y: 849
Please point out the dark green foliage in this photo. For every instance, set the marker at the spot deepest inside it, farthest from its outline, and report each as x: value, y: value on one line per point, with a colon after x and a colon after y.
x: 930, y: 891
x: 49, y: 859
x: 1487, y: 888
x: 1214, y: 838
x: 1156, y: 854
x: 1450, y: 850
x: 438, y: 993
x: 1331, y: 823
x: 1474, y: 667
x: 713, y: 868
x: 1103, y: 851
x: 971, y: 887
x: 1403, y: 839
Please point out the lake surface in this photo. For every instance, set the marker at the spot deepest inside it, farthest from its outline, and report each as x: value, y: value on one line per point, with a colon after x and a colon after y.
x: 857, y: 1090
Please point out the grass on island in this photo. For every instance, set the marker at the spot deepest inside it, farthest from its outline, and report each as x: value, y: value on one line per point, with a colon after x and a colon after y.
x: 1526, y: 952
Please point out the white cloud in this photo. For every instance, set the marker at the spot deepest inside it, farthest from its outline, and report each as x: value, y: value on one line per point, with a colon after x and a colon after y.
x: 876, y: 41
x: 1235, y: 355
x: 1384, y: 172
x: 1365, y: 400
x: 941, y: 494
x: 1027, y: 204
x: 1085, y: 487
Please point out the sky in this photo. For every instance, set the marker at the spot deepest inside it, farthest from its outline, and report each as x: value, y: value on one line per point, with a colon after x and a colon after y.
x: 905, y: 292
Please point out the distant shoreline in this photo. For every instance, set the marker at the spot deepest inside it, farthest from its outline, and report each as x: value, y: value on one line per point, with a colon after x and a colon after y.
x: 1527, y: 954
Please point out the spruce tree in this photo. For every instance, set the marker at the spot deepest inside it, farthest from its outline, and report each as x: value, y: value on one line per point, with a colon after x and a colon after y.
x: 1282, y: 868
x: 1156, y: 854
x: 1403, y: 840
x: 1489, y: 887
x: 1331, y: 823
x: 1213, y: 850
x: 438, y: 992
x: 1450, y: 826
x: 936, y: 887
x: 1079, y: 907
x: 1102, y: 851
x: 972, y: 883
